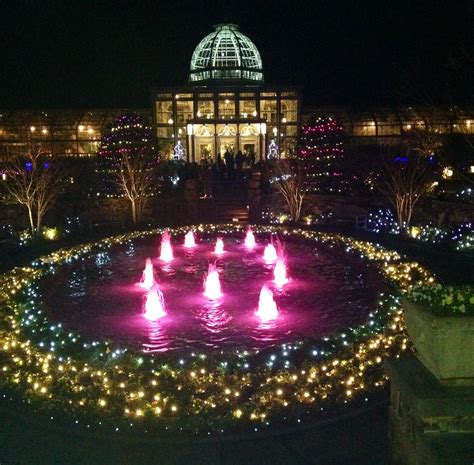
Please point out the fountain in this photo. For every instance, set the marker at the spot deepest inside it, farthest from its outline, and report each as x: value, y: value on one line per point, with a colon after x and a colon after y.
x: 212, y: 285
x: 250, y: 239
x: 189, y: 241
x: 279, y: 272
x: 166, y: 252
x: 202, y: 313
x: 154, y: 304
x: 267, y: 308
x: 219, y: 249
x: 214, y: 344
x: 148, y: 277
x: 270, y: 253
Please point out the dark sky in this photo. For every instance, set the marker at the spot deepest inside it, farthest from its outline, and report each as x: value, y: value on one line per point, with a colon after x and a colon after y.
x: 59, y: 54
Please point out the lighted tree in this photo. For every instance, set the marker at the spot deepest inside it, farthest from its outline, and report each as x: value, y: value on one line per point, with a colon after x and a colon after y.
x: 129, y: 156
x: 35, y: 181
x: 406, y: 177
x: 273, y: 152
x: 321, y: 146
x: 289, y: 177
x: 178, y: 152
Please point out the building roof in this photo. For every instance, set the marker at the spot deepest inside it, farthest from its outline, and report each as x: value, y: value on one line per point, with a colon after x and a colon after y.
x: 226, y: 55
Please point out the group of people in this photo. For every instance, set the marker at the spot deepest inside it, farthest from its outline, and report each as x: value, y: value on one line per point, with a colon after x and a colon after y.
x: 236, y: 162
x: 226, y: 170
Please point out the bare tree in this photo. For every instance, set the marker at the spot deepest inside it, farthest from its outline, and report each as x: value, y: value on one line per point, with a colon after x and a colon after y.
x: 135, y: 178
x: 289, y: 178
x: 34, y: 181
x: 405, y: 179
x: 128, y: 151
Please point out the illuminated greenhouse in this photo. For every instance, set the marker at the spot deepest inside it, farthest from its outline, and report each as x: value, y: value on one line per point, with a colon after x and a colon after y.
x: 226, y: 54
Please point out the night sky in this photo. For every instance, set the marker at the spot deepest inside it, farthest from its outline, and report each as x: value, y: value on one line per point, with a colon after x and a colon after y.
x: 110, y: 53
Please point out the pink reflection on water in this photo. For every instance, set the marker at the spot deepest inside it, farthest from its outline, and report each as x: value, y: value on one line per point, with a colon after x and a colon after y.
x: 166, y: 251
x: 219, y: 249
x: 279, y: 272
x: 270, y: 254
x: 148, y: 277
x: 214, y: 317
x: 267, y: 307
x: 212, y: 285
x: 250, y: 239
x: 154, y: 305
x: 158, y: 341
x: 189, y: 240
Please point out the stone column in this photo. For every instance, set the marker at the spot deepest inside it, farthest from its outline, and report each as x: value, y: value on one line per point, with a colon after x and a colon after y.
x: 430, y: 423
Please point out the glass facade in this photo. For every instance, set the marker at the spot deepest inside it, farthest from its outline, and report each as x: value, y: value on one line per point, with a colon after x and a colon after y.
x: 226, y: 54
x: 62, y: 133
x: 209, y: 123
x: 225, y: 106
x: 78, y: 133
x: 205, y: 109
x: 388, y: 125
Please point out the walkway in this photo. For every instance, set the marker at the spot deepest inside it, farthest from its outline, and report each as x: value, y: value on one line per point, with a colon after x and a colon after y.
x: 357, y: 440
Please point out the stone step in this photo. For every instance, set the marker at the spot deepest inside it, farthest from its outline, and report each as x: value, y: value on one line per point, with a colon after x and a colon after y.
x: 230, y: 215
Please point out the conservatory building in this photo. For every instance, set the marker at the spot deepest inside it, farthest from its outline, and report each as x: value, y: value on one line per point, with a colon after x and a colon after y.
x: 226, y: 106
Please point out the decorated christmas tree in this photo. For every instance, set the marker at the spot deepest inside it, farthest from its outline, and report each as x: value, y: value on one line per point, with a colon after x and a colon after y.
x: 130, y: 137
x: 321, y: 146
x: 273, y: 152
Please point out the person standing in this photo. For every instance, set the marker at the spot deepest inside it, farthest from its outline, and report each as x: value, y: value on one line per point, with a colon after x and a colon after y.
x: 239, y: 161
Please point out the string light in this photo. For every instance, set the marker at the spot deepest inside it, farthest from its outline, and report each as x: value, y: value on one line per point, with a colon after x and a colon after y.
x: 55, y: 369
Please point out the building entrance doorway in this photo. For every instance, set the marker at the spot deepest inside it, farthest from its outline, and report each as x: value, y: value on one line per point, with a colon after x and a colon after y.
x: 226, y: 144
x: 250, y: 147
x: 205, y: 152
x: 204, y: 148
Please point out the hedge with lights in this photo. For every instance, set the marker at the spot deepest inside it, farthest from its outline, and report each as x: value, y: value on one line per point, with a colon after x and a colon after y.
x: 102, y: 385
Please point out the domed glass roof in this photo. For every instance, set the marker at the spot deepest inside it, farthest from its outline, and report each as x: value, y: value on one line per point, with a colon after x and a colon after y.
x: 226, y: 54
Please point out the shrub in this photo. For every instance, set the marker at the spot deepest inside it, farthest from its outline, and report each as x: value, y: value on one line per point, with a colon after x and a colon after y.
x: 444, y: 300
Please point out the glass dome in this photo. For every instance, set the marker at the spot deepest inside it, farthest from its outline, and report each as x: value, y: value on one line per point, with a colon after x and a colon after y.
x: 226, y: 54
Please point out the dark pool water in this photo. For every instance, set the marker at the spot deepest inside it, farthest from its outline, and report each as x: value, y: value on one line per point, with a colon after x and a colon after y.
x: 98, y: 296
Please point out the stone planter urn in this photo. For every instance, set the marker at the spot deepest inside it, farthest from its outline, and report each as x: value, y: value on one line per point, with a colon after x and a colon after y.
x: 444, y: 344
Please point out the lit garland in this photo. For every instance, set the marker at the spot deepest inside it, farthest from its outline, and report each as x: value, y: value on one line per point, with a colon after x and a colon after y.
x: 103, y: 385
x: 270, y: 216
x: 127, y: 135
x: 23, y: 237
x: 321, y: 144
x: 461, y: 236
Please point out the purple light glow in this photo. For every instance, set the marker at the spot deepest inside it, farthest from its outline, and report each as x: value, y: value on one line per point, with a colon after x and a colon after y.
x: 154, y: 305
x: 219, y: 249
x: 110, y: 303
x: 148, y: 277
x: 166, y: 251
x: 279, y: 272
x: 212, y: 285
x: 189, y: 240
x: 250, y: 242
x: 270, y: 253
x: 267, y: 307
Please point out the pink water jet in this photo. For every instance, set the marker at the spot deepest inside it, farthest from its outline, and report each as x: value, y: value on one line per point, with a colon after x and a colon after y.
x: 148, y: 277
x: 267, y: 308
x: 250, y: 239
x: 270, y: 253
x: 212, y: 285
x: 219, y: 249
x: 189, y: 241
x: 166, y: 251
x: 279, y: 272
x: 154, y: 305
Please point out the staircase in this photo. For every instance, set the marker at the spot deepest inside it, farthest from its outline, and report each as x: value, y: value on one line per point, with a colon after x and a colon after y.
x: 231, y: 210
